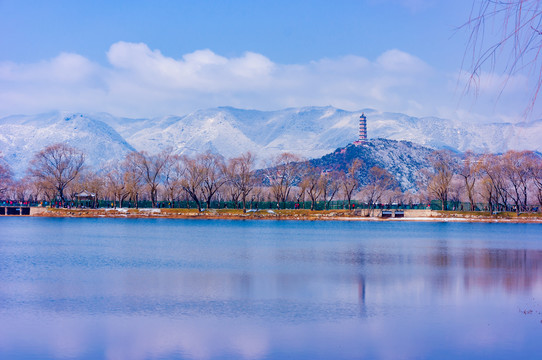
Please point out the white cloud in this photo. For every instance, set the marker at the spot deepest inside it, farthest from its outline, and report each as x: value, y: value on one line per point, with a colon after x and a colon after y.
x: 140, y: 82
x: 495, y: 84
x: 396, y: 61
x: 65, y: 68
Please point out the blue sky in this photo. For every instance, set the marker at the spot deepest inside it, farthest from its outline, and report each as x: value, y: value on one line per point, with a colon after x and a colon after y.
x: 152, y: 58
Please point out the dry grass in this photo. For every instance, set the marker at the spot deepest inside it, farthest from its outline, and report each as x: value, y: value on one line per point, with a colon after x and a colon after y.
x: 191, y: 213
x: 298, y: 214
x: 487, y: 214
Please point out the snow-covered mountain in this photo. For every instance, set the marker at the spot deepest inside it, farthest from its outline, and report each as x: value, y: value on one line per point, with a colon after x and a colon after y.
x: 456, y: 135
x: 23, y: 136
x: 403, y: 159
x: 315, y: 131
x: 310, y: 132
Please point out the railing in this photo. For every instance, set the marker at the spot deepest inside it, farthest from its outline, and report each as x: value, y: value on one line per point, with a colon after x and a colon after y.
x: 319, y: 205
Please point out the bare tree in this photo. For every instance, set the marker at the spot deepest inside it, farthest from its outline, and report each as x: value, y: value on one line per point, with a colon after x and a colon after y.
x: 22, y: 189
x: 312, y: 183
x: 57, y: 165
x: 192, y: 179
x: 493, y: 169
x: 380, y: 181
x: 95, y: 185
x: 469, y: 171
x: 330, y: 186
x: 115, y: 185
x: 281, y: 174
x: 440, y: 180
x: 240, y: 173
x: 518, y: 169
x: 6, y: 176
x: 173, y: 174
x: 214, y: 175
x: 537, y: 179
x: 132, y: 177
x: 520, y: 24
x: 43, y: 189
x: 395, y: 195
x: 257, y: 195
x: 152, y: 168
x: 350, y: 182
x: 487, y: 191
x: 229, y: 192
x: 455, y: 191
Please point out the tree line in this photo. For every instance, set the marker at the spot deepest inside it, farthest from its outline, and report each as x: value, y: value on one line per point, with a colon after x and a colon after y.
x: 58, y: 175
x: 508, y: 182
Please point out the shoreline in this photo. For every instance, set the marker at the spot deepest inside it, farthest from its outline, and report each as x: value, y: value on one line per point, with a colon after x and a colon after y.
x: 304, y: 215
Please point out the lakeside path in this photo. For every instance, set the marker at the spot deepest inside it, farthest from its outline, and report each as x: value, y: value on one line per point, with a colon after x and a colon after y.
x: 341, y: 215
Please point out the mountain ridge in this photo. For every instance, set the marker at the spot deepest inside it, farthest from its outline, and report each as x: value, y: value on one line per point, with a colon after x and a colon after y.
x: 403, y: 159
x: 311, y: 132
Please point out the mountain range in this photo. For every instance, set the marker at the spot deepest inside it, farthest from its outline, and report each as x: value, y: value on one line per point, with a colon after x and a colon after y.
x: 310, y: 132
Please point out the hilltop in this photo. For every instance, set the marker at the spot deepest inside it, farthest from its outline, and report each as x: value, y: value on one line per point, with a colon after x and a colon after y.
x: 403, y: 159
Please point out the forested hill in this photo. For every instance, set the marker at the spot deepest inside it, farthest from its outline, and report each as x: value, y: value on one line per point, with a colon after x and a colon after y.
x: 402, y: 159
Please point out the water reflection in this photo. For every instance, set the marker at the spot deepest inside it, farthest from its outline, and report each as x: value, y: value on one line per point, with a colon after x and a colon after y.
x: 513, y: 270
x: 144, y: 337
x: 269, y: 290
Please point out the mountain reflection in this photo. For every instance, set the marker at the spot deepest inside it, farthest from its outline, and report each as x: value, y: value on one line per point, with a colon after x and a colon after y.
x: 509, y: 269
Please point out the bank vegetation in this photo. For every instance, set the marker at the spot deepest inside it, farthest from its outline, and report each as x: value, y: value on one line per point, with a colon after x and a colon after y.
x: 57, y: 176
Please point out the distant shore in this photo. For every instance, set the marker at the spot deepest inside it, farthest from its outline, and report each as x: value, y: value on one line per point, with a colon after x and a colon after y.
x: 300, y: 214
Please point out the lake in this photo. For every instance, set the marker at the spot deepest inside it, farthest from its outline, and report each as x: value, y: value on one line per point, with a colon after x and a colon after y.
x: 220, y: 289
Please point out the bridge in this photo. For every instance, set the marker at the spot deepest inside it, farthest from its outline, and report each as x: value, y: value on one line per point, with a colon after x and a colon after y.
x: 15, y: 210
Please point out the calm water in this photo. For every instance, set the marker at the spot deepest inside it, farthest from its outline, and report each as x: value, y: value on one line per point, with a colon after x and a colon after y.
x: 217, y: 289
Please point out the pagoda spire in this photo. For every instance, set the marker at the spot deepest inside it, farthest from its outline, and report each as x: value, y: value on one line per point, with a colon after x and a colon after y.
x: 362, y: 130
